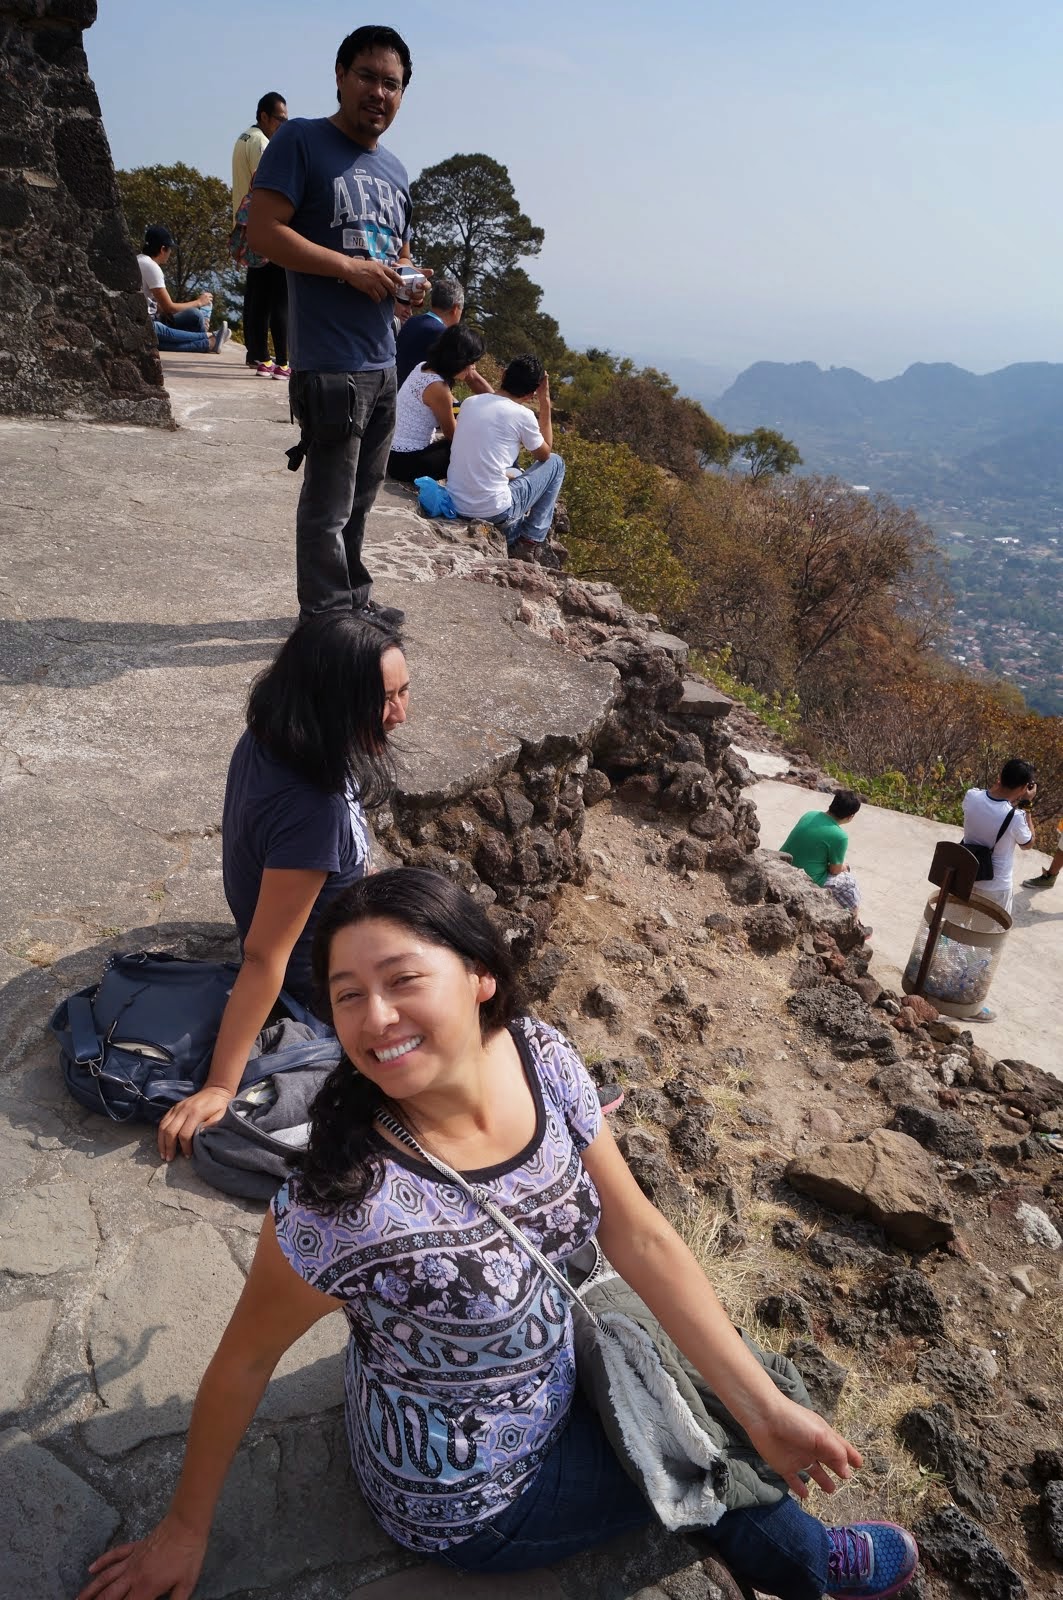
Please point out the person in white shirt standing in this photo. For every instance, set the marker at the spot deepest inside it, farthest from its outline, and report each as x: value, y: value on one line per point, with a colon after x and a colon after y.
x: 985, y: 810
x: 491, y: 430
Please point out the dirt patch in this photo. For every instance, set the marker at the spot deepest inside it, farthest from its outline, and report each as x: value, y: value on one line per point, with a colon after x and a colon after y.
x: 726, y: 1083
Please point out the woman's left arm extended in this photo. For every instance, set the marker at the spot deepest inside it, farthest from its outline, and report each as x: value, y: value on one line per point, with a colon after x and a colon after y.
x: 646, y: 1250
x: 286, y: 898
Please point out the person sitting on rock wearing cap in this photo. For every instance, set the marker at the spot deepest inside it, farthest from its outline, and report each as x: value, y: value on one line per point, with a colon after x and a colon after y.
x: 178, y: 324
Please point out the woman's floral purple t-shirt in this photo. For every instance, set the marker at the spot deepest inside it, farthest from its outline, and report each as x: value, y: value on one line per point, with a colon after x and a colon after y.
x: 462, y: 1376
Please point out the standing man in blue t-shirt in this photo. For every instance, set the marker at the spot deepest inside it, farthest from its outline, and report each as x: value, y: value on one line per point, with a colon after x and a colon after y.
x: 333, y: 208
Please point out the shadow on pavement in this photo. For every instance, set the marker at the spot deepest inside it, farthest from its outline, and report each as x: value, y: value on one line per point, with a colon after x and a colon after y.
x: 53, y: 650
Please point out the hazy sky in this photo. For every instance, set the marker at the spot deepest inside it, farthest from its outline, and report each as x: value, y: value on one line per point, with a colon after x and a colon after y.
x: 863, y: 185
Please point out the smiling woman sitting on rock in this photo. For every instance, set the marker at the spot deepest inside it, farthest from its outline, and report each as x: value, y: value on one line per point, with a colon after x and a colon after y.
x: 457, y: 1160
x: 294, y: 832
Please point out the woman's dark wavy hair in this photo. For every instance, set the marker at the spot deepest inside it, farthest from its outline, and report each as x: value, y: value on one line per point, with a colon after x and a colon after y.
x: 319, y: 707
x: 342, y: 1163
x: 454, y: 350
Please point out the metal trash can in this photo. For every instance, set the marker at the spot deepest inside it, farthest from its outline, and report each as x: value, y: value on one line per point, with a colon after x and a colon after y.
x: 966, y: 957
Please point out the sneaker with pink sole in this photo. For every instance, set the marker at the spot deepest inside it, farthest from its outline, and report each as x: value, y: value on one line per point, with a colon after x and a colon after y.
x: 282, y: 372
x: 265, y: 369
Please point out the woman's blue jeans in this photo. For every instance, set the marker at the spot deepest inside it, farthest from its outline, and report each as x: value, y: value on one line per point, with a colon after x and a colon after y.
x: 582, y: 1497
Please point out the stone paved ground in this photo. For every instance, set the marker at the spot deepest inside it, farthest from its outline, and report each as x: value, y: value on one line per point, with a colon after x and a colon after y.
x: 146, y: 577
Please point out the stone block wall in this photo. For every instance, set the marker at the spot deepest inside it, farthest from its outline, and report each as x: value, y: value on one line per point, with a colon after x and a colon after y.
x: 75, y: 339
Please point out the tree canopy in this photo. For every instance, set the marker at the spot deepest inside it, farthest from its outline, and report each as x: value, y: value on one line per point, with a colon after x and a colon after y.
x: 198, y: 212
x: 467, y: 223
x: 767, y: 452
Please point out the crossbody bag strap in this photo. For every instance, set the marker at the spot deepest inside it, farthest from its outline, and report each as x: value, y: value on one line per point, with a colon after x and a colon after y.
x: 1004, y: 826
x: 476, y: 1192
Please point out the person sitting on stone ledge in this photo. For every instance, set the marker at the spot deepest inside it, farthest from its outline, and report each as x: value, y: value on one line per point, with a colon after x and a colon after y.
x: 818, y: 844
x: 482, y: 481
x: 294, y: 831
x: 419, y: 334
x: 470, y: 1441
x: 178, y: 324
x: 426, y: 403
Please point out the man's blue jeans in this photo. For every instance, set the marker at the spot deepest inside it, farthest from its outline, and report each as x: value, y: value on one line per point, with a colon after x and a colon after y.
x: 581, y: 1497
x: 534, y: 496
x: 188, y: 331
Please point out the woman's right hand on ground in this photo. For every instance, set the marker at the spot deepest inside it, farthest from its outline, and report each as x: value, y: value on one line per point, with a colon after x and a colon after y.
x: 165, y: 1563
x: 181, y: 1121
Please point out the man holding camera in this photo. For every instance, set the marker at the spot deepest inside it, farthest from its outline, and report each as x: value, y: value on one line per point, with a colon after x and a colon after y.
x: 985, y: 811
x: 332, y: 207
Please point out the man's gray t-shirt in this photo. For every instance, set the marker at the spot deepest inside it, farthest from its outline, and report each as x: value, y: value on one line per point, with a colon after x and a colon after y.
x: 349, y: 199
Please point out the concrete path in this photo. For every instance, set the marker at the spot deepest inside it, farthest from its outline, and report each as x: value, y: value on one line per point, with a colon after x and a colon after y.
x: 890, y: 855
x: 147, y: 576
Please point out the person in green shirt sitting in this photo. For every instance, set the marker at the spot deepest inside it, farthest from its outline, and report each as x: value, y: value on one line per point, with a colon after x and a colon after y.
x: 818, y: 844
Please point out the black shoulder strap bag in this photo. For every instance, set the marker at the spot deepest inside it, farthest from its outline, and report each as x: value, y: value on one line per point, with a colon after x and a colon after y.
x: 983, y: 853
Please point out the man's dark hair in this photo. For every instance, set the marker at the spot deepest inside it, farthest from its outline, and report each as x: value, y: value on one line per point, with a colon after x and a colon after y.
x: 523, y: 375
x: 157, y: 238
x: 446, y: 294
x: 453, y: 351
x: 267, y: 106
x: 319, y: 707
x: 362, y: 40
x: 1016, y: 774
x: 844, y: 804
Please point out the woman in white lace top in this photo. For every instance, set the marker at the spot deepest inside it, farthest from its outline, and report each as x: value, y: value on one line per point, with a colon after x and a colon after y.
x: 426, y: 405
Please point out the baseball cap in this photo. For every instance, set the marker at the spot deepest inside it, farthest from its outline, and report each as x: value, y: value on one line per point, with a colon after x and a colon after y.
x: 157, y: 238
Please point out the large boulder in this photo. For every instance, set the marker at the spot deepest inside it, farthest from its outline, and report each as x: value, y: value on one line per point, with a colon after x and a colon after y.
x: 887, y: 1177
x: 931, y: 1434
x: 944, y: 1132
x: 954, y: 1543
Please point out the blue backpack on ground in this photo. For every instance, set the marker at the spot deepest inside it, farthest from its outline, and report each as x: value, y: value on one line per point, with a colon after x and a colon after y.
x: 141, y: 1039
x: 435, y: 501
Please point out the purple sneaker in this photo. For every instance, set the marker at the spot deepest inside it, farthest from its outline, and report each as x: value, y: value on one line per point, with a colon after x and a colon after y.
x: 869, y: 1559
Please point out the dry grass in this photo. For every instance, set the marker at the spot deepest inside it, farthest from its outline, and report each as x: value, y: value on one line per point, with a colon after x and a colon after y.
x: 872, y: 1402
x: 37, y: 952
x: 1042, y: 1337
x: 899, y: 1489
x: 735, y: 1277
x: 726, y: 1102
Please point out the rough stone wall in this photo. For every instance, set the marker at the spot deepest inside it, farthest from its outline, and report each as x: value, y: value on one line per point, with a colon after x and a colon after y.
x: 659, y: 745
x: 75, y: 339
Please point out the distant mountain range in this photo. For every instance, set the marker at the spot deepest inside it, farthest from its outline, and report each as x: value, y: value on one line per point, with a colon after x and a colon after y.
x: 980, y: 458
x: 934, y: 434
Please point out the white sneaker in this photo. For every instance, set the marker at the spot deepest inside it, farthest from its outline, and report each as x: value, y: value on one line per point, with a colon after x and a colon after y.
x: 222, y: 337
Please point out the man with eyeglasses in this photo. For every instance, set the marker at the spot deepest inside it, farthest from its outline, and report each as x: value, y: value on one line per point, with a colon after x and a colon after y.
x: 333, y: 208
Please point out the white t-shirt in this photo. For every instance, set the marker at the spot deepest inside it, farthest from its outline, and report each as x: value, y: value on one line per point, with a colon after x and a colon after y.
x: 491, y: 429
x: 414, y: 420
x: 982, y: 817
x: 151, y: 278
